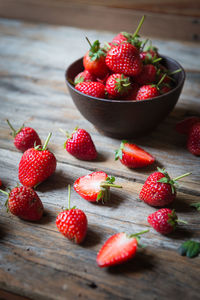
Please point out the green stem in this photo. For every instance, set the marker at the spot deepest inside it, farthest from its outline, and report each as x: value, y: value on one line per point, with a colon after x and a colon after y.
x: 181, y: 221
x: 69, y: 195
x: 46, y: 142
x: 4, y: 192
x: 64, y: 132
x: 11, y: 127
x: 176, y: 71
x: 111, y: 185
x: 161, y: 80
x: 139, y: 26
x: 88, y: 42
x: 157, y: 60
x: 139, y: 233
x: 184, y: 175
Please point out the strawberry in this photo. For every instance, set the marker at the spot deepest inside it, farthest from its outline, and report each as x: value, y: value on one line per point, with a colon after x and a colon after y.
x: 118, y: 85
x: 165, y: 88
x: 72, y: 223
x: 124, y: 37
x: 185, y: 125
x: 150, y: 90
x: 159, y: 189
x: 94, y: 60
x: 147, y: 92
x: 25, y: 137
x: 95, y: 186
x: 147, y: 76
x: 124, y: 59
x: 36, y: 165
x: 119, y: 248
x: 133, y: 156
x: 84, y: 76
x: 133, y: 92
x: 193, y: 142
x: 80, y: 144
x: 94, y: 89
x: 164, y: 220
x: 24, y: 203
x: 120, y: 38
x: 0, y: 182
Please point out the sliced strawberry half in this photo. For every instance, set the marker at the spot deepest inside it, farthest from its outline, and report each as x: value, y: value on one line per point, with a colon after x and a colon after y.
x: 133, y: 156
x: 118, y: 248
x: 95, y: 186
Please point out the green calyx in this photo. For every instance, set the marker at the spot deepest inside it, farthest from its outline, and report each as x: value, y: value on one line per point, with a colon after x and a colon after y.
x: 14, y: 132
x: 122, y: 85
x: 40, y: 148
x: 67, y: 134
x: 168, y: 180
x: 189, y: 248
x: 95, y: 51
x: 119, y: 152
x: 104, y: 193
x: 137, y: 237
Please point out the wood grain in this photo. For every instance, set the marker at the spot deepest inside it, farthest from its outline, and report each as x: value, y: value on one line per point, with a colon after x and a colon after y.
x: 36, y: 261
x: 171, y: 20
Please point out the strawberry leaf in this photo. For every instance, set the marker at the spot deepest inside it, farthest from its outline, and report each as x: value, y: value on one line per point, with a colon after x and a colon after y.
x: 196, y: 205
x: 189, y: 248
x: 100, y: 195
x: 118, y: 154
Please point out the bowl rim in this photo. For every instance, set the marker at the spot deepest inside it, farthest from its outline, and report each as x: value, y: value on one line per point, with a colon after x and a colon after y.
x: 130, y: 101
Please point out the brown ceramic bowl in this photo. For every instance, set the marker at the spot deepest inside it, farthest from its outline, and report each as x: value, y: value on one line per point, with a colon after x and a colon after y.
x: 125, y: 118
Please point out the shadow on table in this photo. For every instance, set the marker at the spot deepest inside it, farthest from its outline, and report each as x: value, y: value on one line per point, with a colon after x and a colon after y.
x: 59, y: 180
x: 141, y: 262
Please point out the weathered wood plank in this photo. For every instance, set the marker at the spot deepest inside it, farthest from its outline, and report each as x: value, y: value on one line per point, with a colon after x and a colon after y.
x: 111, y: 16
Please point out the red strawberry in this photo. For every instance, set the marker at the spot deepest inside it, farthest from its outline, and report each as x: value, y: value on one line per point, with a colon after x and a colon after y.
x: 165, y: 88
x: 95, y: 186
x: 80, y: 144
x: 124, y: 59
x: 84, y: 76
x: 95, y: 89
x: 164, y: 220
x: 118, y: 248
x: 147, y: 76
x: 118, y: 85
x: 94, y: 60
x: 147, y: 92
x: 120, y: 38
x: 185, y: 125
x: 193, y: 142
x: 24, y: 203
x: 159, y: 189
x: 0, y: 182
x: 133, y: 156
x: 25, y: 137
x: 124, y: 37
x: 72, y: 223
x: 133, y: 92
x: 36, y: 165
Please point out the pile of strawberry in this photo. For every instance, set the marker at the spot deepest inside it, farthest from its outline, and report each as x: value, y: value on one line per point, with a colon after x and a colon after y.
x: 124, y: 69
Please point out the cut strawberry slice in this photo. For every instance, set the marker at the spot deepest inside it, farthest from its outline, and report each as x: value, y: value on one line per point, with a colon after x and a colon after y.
x: 133, y: 156
x: 95, y: 186
x: 118, y: 248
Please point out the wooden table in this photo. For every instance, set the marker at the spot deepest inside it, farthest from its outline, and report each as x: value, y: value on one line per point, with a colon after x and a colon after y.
x: 36, y: 261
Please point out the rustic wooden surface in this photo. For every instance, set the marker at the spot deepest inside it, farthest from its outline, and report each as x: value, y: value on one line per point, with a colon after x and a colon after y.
x: 36, y: 261
x: 177, y: 19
